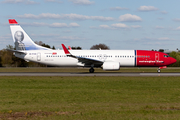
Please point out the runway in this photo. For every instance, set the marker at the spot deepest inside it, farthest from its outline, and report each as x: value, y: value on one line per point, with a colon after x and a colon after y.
x: 85, y: 74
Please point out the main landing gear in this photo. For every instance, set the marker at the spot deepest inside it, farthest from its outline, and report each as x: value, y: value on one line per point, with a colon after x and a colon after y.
x: 91, y: 70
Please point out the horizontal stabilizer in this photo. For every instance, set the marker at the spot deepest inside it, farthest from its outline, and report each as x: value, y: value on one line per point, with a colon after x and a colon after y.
x: 17, y: 51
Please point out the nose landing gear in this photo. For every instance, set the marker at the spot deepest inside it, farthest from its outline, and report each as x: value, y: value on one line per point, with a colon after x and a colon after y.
x: 158, y: 70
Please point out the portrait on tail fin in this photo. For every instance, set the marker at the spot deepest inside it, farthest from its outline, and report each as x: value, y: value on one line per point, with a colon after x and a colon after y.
x: 19, y: 37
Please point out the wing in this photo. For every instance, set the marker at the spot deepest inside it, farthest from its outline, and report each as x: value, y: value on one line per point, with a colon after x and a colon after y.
x: 86, y: 61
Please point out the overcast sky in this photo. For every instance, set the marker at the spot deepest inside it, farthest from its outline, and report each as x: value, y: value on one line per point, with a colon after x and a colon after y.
x: 120, y: 24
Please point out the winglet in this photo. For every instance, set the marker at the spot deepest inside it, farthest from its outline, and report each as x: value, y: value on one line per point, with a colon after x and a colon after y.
x: 65, y: 50
x: 69, y: 48
x: 12, y: 21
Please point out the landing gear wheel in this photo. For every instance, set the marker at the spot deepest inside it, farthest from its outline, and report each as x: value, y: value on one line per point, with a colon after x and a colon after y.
x: 91, y: 70
x: 158, y: 70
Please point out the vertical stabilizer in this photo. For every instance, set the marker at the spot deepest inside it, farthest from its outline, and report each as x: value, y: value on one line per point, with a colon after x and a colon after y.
x: 21, y: 40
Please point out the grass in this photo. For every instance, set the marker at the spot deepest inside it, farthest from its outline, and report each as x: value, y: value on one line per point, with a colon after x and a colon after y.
x: 66, y: 69
x: 89, y: 98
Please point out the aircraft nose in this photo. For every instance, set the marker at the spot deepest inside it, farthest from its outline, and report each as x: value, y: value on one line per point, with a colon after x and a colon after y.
x: 173, y: 60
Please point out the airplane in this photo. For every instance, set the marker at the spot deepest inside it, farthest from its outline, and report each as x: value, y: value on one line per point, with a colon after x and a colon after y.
x: 110, y: 60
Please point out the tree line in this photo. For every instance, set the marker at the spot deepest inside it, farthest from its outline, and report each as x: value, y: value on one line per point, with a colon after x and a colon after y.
x: 7, y: 59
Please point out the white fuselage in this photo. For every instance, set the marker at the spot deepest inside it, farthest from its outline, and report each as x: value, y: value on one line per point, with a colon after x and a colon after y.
x: 59, y: 58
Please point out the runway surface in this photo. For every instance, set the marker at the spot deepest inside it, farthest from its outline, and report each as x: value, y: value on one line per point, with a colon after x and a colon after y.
x: 87, y: 74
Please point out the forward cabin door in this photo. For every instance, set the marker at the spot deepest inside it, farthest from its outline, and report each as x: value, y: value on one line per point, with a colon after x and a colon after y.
x: 38, y: 56
x: 156, y: 58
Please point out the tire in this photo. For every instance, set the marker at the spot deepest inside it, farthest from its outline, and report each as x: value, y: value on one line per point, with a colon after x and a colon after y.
x: 158, y: 70
x: 91, y: 70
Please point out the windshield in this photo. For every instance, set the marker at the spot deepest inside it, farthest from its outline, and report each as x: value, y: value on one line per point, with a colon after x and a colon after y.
x: 166, y: 56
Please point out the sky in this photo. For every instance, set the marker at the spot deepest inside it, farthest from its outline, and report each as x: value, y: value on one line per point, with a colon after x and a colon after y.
x: 120, y: 24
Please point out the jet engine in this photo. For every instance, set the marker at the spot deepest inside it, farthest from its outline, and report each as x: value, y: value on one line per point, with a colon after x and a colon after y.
x: 111, y: 66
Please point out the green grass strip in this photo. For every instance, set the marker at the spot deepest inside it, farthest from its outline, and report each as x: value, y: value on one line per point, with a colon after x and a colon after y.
x: 90, y: 98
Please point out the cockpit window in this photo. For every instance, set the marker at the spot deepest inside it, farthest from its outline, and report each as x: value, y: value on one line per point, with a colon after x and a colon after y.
x: 166, y: 56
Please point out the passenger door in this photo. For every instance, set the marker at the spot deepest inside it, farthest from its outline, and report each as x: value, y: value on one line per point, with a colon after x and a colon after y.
x: 157, y: 57
x: 38, y: 56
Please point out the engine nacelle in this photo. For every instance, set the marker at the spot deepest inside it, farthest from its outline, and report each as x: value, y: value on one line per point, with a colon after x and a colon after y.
x: 111, y: 66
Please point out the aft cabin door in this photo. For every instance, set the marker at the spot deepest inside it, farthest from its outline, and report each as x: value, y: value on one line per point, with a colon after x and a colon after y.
x: 38, y: 56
